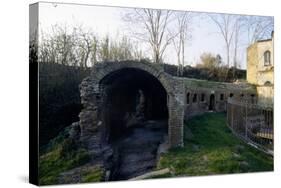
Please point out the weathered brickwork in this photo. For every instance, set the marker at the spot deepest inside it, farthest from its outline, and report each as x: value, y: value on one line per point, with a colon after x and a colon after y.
x: 203, y: 96
x: 91, y: 122
x: 185, y: 98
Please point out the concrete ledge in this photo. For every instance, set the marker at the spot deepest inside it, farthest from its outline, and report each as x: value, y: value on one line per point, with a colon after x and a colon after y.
x: 152, y: 174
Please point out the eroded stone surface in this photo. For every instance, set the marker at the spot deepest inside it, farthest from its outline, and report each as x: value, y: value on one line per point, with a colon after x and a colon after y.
x: 122, y: 101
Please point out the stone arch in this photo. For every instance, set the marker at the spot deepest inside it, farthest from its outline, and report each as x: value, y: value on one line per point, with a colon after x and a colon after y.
x: 101, y: 70
x: 91, y: 90
x: 194, y: 98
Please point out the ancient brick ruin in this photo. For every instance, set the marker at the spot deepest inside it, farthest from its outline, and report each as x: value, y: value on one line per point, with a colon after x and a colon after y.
x: 120, y: 95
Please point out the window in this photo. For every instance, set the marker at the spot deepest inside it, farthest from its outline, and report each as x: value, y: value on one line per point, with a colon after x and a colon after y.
x: 242, y: 95
x: 187, y: 98
x: 222, y: 97
x: 194, y: 98
x: 267, y: 83
x: 202, y: 97
x: 231, y: 95
x: 266, y: 57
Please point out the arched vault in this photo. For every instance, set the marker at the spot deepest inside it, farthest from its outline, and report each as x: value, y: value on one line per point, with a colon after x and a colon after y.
x: 128, y: 76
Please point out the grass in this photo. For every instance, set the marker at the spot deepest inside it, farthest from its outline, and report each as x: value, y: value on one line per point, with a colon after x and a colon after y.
x: 61, y: 155
x: 92, y: 175
x: 211, y: 148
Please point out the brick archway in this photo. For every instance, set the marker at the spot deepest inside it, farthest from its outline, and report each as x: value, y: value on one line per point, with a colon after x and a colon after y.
x: 91, y: 90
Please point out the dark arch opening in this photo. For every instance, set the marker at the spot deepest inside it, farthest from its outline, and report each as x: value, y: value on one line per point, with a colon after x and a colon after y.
x: 222, y: 97
x: 212, y: 102
x: 135, y: 116
x: 187, y: 98
x: 132, y: 96
x: 194, y: 99
x: 267, y: 58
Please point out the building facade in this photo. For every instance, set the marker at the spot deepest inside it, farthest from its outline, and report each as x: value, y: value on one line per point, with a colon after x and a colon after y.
x: 260, y: 69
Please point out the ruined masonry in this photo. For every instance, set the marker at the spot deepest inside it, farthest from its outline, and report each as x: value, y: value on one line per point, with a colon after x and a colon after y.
x: 202, y: 94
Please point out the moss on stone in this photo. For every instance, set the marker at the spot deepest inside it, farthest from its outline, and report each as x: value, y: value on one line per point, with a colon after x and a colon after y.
x: 58, y: 160
x: 196, y: 83
x: 92, y: 175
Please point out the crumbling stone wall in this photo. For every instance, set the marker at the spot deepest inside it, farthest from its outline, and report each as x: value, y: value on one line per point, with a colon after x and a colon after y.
x: 91, y: 122
x: 184, y: 98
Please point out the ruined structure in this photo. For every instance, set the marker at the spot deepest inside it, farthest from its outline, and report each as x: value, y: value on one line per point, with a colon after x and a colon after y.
x: 109, y: 95
x: 120, y: 96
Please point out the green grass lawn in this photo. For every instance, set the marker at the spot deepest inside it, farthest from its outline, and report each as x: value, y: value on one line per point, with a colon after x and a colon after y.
x: 62, y: 155
x: 211, y: 148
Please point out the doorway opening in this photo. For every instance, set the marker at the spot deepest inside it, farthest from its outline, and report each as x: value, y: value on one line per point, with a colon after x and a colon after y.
x: 212, y: 102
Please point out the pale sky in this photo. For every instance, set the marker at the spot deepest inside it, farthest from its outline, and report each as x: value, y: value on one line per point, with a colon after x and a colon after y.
x: 108, y: 20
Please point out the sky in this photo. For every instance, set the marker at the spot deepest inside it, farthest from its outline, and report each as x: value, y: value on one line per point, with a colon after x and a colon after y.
x: 108, y: 20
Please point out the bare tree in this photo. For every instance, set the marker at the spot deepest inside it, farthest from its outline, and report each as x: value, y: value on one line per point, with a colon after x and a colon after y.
x: 230, y: 28
x: 258, y: 27
x: 238, y: 27
x: 117, y: 50
x: 182, y: 34
x: 138, y: 53
x: 87, y: 42
x: 65, y: 41
x: 153, y: 24
x: 94, y: 54
x: 226, y: 24
x: 58, y: 46
x: 103, y: 53
x: 79, y: 46
x: 121, y: 50
x: 65, y: 45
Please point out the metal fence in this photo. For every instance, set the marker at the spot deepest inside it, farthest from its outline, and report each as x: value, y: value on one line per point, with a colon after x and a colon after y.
x: 252, y: 122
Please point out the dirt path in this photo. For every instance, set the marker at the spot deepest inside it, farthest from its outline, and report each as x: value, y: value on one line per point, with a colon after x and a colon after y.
x: 137, y: 153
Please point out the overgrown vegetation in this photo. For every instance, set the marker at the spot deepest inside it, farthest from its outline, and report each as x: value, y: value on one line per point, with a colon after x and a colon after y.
x: 60, y: 155
x: 211, y: 148
x: 80, y: 46
x: 213, y: 74
x: 92, y: 175
x: 59, y: 98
